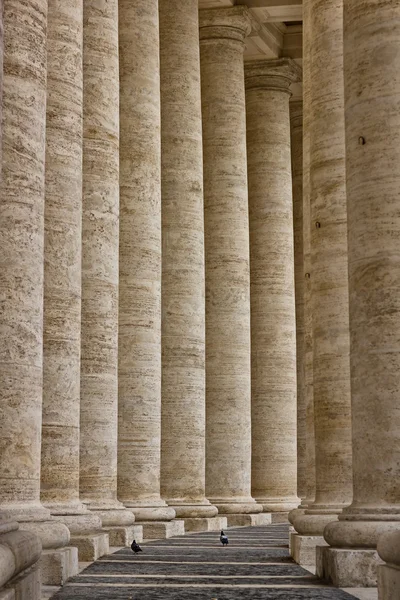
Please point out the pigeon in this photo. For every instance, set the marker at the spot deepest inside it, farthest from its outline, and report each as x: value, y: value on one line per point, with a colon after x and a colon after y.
x: 223, y: 539
x: 135, y: 547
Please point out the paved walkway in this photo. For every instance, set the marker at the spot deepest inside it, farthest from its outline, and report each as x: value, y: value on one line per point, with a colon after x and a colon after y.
x: 255, y: 566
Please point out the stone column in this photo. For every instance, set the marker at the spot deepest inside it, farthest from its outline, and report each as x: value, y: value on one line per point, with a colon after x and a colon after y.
x: 183, y: 308
x: 329, y: 283
x: 273, y: 318
x: 21, y: 281
x: 228, y: 410
x: 100, y: 236
x: 139, y: 359
x: 12, y: 560
x: 296, y: 143
x: 62, y: 275
x: 372, y: 96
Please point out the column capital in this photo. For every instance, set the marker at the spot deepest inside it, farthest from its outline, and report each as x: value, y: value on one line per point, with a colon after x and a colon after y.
x: 225, y: 23
x: 275, y: 74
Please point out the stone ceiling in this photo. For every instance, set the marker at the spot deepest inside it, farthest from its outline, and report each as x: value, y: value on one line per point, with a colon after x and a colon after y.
x: 277, y: 28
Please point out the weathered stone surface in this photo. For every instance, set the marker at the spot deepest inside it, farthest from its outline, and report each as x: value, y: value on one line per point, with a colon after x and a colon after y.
x: 246, y: 520
x: 123, y: 536
x: 100, y: 237
x: 331, y: 367
x: 228, y: 414
x: 58, y: 566
x: 303, y: 548
x: 296, y: 145
x: 389, y: 582
x: 372, y: 86
x: 62, y: 258
x: 345, y: 567
x: 273, y: 319
x: 308, y: 333
x: 139, y: 352
x: 183, y: 308
x: 91, y: 546
x: 162, y: 529
x: 205, y: 524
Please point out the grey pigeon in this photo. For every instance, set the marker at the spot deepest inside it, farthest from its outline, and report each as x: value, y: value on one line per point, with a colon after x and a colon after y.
x: 223, y: 539
x: 135, y: 547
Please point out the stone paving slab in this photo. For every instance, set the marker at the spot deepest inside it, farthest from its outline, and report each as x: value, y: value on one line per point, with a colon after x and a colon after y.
x: 197, y: 567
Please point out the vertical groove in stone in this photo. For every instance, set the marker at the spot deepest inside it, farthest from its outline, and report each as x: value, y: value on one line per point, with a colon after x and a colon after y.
x: 308, y: 387
x: 228, y: 412
x: 139, y: 359
x: 62, y: 256
x: 100, y: 232
x: 296, y: 133
x: 273, y: 319
x: 372, y: 95
x: 183, y: 309
x: 21, y: 257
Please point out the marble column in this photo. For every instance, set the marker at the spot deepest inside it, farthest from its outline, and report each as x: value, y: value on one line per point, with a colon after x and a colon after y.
x: 273, y: 318
x: 183, y: 304
x: 139, y: 360
x: 13, y: 562
x: 228, y: 409
x: 372, y: 98
x: 296, y: 144
x: 329, y: 283
x: 100, y: 236
x: 21, y: 269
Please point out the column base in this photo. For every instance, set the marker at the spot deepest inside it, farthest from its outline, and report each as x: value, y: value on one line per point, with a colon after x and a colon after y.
x: 20, y: 552
x: 25, y: 586
x: 313, y: 524
x: 194, y: 525
x: 151, y: 511
x: 278, y: 505
x: 296, y: 512
x: 123, y: 536
x: 249, y: 520
x: 91, y: 546
x: 112, y: 513
x: 227, y: 506
x: 185, y: 510
x: 348, y: 567
x: 57, y: 566
x: 389, y: 582
x: 161, y: 530
x: 303, y: 548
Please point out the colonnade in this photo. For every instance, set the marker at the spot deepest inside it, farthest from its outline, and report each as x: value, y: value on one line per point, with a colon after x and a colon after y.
x: 136, y: 336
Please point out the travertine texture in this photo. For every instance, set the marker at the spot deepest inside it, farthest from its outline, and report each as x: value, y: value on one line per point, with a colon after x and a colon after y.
x: 331, y: 369
x: 308, y: 333
x: 139, y: 360
x: 62, y: 258
x: 183, y: 308
x: 228, y: 413
x: 296, y: 144
x: 273, y: 318
x: 389, y: 574
x: 372, y: 89
x: 100, y: 229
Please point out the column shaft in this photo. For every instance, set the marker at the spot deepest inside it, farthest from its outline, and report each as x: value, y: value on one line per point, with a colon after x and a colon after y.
x: 228, y: 410
x: 183, y: 305
x: 331, y: 367
x: 308, y: 333
x: 21, y: 268
x: 9, y: 534
x: 372, y: 99
x: 273, y: 319
x: 100, y: 236
x: 296, y: 143
x: 139, y: 360
x: 62, y: 258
